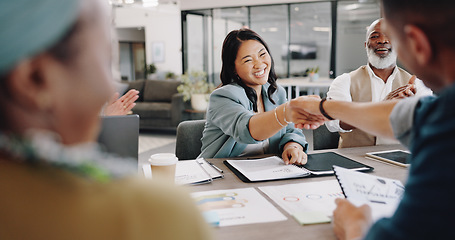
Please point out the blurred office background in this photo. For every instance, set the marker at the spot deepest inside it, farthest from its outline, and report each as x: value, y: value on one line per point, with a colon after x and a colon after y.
x: 177, y: 36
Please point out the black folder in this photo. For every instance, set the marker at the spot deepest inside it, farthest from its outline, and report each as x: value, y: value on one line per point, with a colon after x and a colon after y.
x: 319, y: 164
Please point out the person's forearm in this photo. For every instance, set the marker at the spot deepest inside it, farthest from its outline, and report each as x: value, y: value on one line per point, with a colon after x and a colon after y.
x: 369, y: 117
x: 264, y: 125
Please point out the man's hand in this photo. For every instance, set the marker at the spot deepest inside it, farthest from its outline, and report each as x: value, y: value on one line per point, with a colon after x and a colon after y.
x: 121, y: 106
x: 349, y: 221
x: 405, y: 91
x: 305, y: 112
x: 293, y: 154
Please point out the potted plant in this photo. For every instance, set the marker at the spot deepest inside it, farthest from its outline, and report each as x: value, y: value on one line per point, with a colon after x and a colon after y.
x: 150, y: 69
x: 314, y: 74
x: 195, y: 87
x: 170, y: 75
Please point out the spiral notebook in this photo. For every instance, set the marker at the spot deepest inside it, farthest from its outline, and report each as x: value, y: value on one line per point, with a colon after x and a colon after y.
x: 273, y: 168
x: 382, y: 194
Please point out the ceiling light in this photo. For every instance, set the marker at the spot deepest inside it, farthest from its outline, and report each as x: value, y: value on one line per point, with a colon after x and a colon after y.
x: 321, y: 29
x: 149, y: 3
x: 352, y: 7
x: 273, y: 29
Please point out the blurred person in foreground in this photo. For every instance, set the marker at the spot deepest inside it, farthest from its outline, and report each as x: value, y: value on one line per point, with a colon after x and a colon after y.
x: 381, y: 79
x: 54, y: 181
x: 420, y: 31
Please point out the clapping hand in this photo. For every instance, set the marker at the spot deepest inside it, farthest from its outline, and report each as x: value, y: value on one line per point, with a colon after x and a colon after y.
x: 407, y: 90
x: 122, y: 105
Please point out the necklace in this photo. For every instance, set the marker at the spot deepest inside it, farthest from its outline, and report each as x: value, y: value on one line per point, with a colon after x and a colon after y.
x: 88, y: 160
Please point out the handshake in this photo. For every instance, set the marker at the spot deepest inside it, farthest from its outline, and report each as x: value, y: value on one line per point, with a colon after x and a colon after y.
x: 310, y: 112
x: 306, y: 112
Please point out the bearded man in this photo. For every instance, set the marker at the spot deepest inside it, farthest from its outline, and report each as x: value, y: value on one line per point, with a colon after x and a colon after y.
x: 372, y: 83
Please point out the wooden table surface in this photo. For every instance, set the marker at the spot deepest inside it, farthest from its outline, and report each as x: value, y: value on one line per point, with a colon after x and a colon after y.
x: 291, y: 229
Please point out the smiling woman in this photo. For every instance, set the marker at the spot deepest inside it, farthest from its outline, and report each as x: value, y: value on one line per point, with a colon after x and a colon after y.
x: 249, y: 115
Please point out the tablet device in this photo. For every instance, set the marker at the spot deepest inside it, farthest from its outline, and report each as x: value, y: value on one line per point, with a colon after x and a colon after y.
x: 397, y: 157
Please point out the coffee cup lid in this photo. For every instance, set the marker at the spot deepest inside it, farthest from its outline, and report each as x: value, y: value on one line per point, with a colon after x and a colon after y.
x: 162, y: 159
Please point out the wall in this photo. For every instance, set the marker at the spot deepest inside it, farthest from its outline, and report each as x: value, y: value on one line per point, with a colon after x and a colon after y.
x: 205, y: 4
x: 161, y: 25
x: 130, y: 35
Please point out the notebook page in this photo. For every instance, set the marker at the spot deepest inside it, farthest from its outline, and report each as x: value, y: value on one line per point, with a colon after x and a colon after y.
x: 267, y: 169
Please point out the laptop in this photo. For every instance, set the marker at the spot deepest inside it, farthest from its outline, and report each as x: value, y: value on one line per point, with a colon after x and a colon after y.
x: 120, y: 135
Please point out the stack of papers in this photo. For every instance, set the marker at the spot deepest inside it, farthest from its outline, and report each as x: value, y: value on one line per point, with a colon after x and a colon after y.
x: 192, y: 172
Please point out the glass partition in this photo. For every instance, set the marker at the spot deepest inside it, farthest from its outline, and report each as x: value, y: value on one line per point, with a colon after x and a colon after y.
x: 352, y: 22
x: 224, y: 21
x: 310, y: 36
x: 300, y: 35
x: 271, y: 22
x: 195, y: 42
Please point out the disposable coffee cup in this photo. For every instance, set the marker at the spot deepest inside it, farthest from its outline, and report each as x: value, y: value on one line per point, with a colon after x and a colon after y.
x: 163, y: 166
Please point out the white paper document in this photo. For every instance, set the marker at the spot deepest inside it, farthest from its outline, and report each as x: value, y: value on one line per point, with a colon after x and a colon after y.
x: 270, y: 168
x: 236, y: 206
x: 382, y: 194
x: 186, y: 172
x: 306, y: 197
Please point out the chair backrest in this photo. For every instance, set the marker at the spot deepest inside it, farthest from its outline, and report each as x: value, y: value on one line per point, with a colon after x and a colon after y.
x: 188, y: 143
x: 118, y: 130
x: 324, y: 139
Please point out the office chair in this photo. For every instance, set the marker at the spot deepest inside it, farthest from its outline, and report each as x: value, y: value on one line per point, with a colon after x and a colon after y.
x: 324, y: 139
x: 188, y: 143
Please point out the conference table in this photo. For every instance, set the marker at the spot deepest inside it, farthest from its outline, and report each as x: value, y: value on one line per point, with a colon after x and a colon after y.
x: 290, y: 229
x: 312, y: 87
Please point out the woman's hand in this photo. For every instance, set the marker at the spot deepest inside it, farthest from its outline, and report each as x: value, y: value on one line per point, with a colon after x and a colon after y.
x: 304, y: 112
x: 121, y: 106
x: 293, y: 154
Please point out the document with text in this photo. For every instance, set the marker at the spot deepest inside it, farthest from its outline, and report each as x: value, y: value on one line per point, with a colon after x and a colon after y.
x: 188, y: 172
x: 312, y: 201
x: 382, y: 194
x: 230, y: 207
x: 267, y: 169
x: 274, y: 168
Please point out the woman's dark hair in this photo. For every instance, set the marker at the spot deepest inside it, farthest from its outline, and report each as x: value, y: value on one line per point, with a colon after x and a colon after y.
x: 228, y: 74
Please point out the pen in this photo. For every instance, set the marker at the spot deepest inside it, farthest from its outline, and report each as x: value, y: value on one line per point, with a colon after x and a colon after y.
x: 213, y: 165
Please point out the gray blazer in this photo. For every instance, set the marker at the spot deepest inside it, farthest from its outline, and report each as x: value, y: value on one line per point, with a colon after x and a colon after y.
x: 226, y: 132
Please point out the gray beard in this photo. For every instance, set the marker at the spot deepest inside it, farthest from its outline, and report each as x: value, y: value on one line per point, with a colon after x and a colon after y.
x: 381, y: 63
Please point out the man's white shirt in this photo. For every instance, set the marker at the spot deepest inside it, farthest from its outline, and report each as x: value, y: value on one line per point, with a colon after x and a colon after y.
x: 340, y: 89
